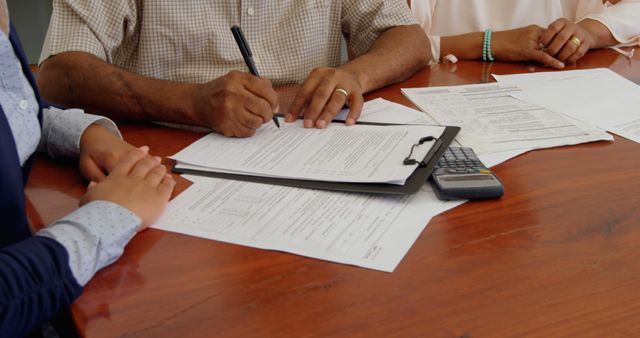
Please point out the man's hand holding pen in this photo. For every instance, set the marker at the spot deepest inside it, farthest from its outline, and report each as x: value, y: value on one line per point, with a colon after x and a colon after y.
x: 319, y: 99
x: 236, y: 104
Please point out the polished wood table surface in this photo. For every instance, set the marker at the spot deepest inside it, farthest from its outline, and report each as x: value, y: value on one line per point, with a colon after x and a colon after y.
x: 557, y: 255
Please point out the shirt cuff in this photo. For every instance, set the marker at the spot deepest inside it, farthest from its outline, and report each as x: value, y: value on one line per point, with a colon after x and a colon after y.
x: 63, y: 129
x: 435, y: 49
x: 94, y: 236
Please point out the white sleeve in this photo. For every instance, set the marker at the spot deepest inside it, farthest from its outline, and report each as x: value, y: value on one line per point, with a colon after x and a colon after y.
x: 622, y: 19
x: 423, y: 12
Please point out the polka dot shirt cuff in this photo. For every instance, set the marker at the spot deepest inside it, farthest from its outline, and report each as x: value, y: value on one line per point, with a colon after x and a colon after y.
x: 63, y: 129
x: 94, y: 236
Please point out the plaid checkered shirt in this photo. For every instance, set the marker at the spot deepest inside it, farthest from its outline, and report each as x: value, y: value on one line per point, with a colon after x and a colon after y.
x: 190, y: 40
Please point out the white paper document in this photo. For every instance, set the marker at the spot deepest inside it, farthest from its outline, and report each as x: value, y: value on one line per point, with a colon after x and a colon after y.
x: 492, y: 120
x: 339, y: 153
x: 383, y: 111
x: 369, y: 230
x: 597, y: 96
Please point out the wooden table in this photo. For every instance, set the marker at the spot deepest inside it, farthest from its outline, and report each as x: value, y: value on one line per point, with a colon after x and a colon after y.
x: 558, y: 255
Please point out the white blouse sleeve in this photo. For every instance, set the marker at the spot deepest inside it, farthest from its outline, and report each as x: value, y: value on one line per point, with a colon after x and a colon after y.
x: 622, y: 19
x: 423, y: 12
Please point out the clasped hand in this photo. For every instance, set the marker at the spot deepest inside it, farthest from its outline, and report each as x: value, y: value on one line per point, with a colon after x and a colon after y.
x: 563, y: 42
x: 124, y: 175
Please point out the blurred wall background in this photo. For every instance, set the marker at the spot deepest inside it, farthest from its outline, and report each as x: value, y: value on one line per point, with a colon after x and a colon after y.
x: 31, y: 19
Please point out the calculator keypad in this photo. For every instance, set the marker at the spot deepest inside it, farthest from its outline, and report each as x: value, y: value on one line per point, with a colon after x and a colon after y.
x: 459, y: 160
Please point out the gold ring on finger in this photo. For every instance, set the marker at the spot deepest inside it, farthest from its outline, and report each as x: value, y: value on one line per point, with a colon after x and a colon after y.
x: 576, y: 41
x: 342, y: 91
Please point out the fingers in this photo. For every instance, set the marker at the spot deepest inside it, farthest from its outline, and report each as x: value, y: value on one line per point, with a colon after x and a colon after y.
x: 258, y: 98
x: 155, y: 175
x: 128, y: 161
x: 91, y: 170
x: 143, y: 166
x: 161, y: 194
x: 357, y: 102
x: 263, y: 89
x: 554, y: 28
x: 166, y: 186
x: 237, y: 103
x: 569, y: 48
x: 578, y: 54
x: 258, y: 108
x: 335, y: 104
x: 321, y: 97
x: 566, y: 41
x: 262, y: 101
x: 252, y: 120
x: 546, y: 59
x: 301, y: 100
x: 561, y: 40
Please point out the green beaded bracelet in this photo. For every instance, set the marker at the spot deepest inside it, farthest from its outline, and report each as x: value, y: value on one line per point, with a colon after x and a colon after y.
x: 486, y: 47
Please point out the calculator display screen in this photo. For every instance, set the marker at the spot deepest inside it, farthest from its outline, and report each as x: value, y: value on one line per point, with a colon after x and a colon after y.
x: 465, y: 177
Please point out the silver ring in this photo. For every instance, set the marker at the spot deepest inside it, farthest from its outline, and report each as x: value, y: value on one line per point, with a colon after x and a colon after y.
x: 341, y: 91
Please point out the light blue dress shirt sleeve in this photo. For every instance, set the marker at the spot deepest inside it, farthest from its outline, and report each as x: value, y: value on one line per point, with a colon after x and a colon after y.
x: 62, y: 130
x: 94, y: 235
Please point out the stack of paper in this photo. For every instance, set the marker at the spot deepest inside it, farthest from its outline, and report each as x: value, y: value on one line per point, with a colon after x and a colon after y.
x: 369, y: 230
x: 339, y: 153
x: 493, y: 120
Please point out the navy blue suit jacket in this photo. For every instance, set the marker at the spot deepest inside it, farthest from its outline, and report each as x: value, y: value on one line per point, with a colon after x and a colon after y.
x: 35, y: 279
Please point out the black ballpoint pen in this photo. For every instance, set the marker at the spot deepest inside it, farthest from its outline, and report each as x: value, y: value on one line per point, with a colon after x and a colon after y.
x: 247, y: 56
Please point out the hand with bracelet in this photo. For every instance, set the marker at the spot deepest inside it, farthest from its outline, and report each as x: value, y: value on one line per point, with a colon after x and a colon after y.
x: 552, y: 33
x: 515, y: 45
x: 522, y: 44
x: 563, y: 42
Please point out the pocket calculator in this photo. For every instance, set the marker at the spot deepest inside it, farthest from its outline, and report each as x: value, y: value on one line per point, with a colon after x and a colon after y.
x: 460, y: 174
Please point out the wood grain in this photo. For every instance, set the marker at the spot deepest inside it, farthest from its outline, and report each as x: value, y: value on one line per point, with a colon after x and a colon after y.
x: 558, y: 255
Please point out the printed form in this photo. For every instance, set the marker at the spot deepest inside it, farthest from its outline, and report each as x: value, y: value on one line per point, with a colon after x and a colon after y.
x: 597, y: 96
x: 492, y: 120
x: 369, y: 230
x: 383, y: 111
x: 339, y: 153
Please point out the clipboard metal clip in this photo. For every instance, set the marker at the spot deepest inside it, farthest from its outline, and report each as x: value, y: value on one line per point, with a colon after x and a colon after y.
x: 411, y: 161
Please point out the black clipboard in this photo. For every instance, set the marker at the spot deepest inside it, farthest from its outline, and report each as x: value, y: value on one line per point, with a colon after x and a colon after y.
x: 413, y: 183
